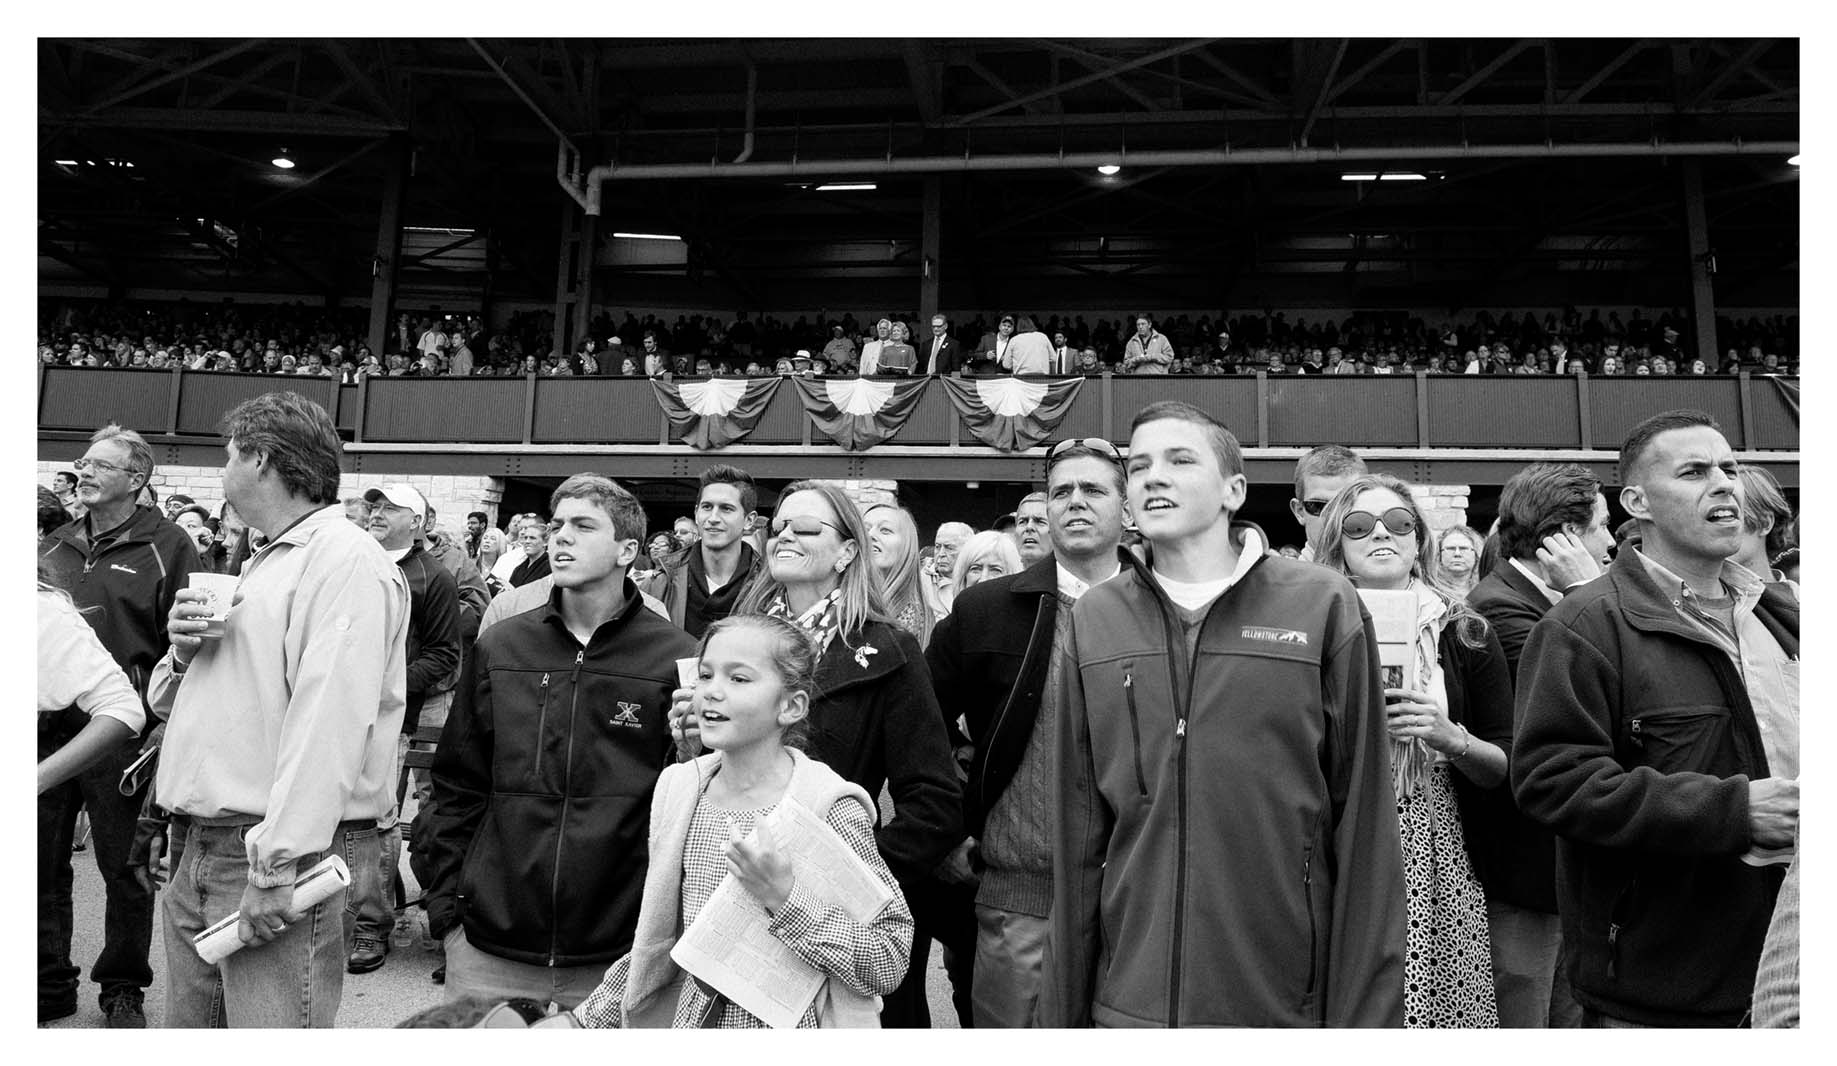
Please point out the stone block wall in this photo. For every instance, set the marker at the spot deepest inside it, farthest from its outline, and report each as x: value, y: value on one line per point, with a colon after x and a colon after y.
x: 452, y: 496
x: 1443, y: 506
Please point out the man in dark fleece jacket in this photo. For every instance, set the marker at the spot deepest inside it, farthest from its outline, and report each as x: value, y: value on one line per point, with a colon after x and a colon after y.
x: 1658, y: 736
x: 543, y: 781
x: 1226, y: 850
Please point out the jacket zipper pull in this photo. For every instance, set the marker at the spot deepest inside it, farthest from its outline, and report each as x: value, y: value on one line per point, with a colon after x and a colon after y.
x: 545, y: 681
x: 1180, y: 728
x: 580, y: 656
x: 1613, y: 949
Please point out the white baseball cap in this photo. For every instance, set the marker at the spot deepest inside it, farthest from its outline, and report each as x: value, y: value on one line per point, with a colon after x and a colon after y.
x: 405, y: 496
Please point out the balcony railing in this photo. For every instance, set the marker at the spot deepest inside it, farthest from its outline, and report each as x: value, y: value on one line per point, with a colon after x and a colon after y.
x: 1424, y: 411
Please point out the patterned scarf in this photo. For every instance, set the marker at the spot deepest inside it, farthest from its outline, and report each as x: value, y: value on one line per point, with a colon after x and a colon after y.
x: 1412, y: 758
x: 821, y: 621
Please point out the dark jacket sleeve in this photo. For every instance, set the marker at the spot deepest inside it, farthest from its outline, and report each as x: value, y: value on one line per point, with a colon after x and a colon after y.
x: 944, y: 658
x: 1364, y: 985
x: 1082, y: 824
x: 1566, y: 774
x: 439, y: 649
x: 462, y: 785
x: 927, y: 801
x: 1511, y: 619
x: 1487, y: 691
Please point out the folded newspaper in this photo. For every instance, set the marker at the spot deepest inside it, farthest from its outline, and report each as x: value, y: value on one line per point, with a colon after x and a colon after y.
x: 730, y: 944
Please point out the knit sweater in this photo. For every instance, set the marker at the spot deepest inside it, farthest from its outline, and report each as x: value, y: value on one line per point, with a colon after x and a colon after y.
x: 1016, y: 842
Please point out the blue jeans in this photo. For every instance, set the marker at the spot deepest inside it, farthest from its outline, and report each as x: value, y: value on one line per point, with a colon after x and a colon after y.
x: 370, y: 901
x: 122, y: 968
x: 294, y: 980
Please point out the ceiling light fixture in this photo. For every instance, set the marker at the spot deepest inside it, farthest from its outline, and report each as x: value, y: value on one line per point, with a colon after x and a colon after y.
x: 648, y: 236
x: 1794, y: 161
x: 1402, y: 175
x: 1109, y: 170
x: 848, y: 186
x: 1358, y: 177
x: 284, y: 161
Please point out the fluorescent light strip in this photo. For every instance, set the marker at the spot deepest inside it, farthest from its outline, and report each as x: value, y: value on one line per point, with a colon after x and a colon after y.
x: 1358, y: 177
x: 857, y: 186
x: 1403, y: 175
x: 648, y: 236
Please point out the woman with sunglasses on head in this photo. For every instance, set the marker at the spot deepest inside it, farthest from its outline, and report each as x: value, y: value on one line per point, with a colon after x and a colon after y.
x: 1449, y: 733
x: 874, y: 717
x: 893, y: 550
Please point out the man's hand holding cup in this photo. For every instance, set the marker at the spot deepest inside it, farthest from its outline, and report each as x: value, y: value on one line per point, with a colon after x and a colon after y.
x: 199, y: 613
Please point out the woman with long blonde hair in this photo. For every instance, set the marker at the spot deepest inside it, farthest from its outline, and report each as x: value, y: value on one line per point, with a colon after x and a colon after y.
x: 893, y: 551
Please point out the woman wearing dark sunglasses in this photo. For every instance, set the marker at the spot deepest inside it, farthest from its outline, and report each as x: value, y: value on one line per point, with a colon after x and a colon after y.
x: 874, y: 717
x: 1448, y: 732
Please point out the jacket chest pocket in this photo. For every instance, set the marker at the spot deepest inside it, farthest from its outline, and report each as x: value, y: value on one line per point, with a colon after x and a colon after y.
x: 529, y: 733
x: 1672, y: 739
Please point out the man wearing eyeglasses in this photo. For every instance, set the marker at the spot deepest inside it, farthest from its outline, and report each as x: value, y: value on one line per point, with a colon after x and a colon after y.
x: 1225, y: 848
x: 1319, y: 475
x: 996, y: 659
x: 121, y: 564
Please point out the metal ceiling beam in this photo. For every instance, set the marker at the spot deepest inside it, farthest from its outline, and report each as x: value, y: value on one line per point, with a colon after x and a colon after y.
x: 1188, y: 157
x: 975, y: 66
x: 1320, y: 96
x: 243, y: 81
x: 1758, y: 74
x: 527, y: 93
x: 373, y: 94
x: 1606, y: 72
x: 924, y: 76
x: 1389, y: 52
x: 1090, y: 61
x: 1117, y: 185
x: 171, y: 76
x: 1485, y: 72
x: 1727, y: 74
x: 1169, y: 76
x: 228, y: 121
x: 1064, y: 87
x: 1256, y: 88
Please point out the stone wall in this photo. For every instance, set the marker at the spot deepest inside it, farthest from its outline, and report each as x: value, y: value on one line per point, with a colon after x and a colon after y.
x: 1443, y: 506
x: 452, y: 496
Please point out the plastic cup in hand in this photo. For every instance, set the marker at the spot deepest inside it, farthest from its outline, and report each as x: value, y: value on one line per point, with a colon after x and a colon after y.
x: 219, y: 591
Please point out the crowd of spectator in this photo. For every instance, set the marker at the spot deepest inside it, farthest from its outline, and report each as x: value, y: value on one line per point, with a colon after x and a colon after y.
x: 331, y: 342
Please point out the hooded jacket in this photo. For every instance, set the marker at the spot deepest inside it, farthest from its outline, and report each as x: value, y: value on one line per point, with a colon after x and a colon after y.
x: 542, y: 784
x: 125, y: 588
x: 1227, y: 851
x: 1636, y: 743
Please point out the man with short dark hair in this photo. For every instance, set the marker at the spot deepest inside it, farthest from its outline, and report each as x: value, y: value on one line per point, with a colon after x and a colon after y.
x: 1226, y: 847
x: 64, y: 484
x: 543, y: 778
x: 997, y: 658
x: 1319, y: 475
x: 281, y: 727
x: 701, y: 583
x: 1148, y: 352
x: 1553, y: 539
x: 1658, y: 736
x: 175, y: 503
x: 122, y: 565
x: 476, y: 522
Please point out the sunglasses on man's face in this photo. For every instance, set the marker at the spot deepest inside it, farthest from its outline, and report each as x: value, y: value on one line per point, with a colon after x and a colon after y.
x: 805, y: 526
x: 1360, y: 524
x: 1097, y: 444
x: 1314, y: 507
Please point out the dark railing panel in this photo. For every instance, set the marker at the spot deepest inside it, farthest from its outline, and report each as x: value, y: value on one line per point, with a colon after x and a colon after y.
x: 1083, y: 419
x: 207, y: 397
x: 1233, y: 400
x: 1776, y: 427
x: 1617, y: 404
x: 1341, y: 409
x: 76, y: 397
x: 590, y: 410
x: 486, y: 410
x: 346, y: 415
x: 1503, y: 412
x: 930, y: 420
x: 783, y: 420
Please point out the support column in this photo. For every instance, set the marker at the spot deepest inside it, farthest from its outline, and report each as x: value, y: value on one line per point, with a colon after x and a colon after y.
x: 564, y: 275
x: 1702, y: 287
x: 388, y: 246
x: 586, y: 251
x: 928, y: 245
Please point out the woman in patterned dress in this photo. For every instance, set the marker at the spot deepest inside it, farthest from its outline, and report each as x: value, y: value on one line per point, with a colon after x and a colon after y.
x: 1454, y: 721
x: 755, y: 676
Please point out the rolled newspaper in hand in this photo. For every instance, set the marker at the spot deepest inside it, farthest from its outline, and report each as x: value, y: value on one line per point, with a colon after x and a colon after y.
x: 319, y: 884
